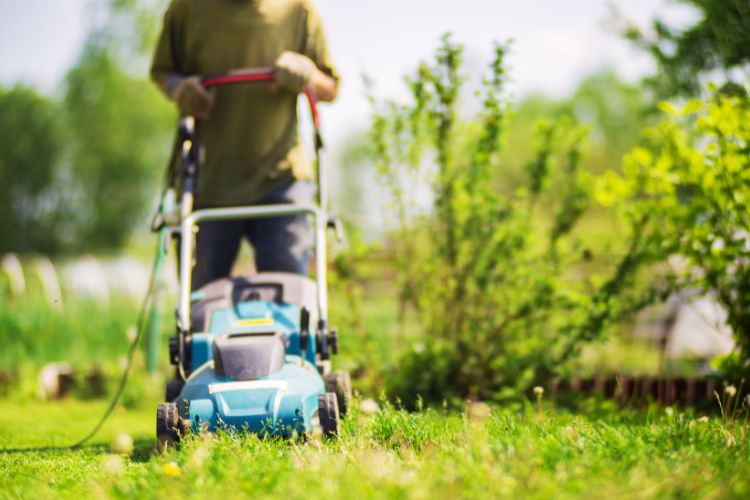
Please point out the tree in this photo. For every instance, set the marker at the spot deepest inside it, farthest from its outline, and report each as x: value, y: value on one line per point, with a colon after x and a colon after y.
x: 716, y: 46
x: 30, y: 150
x: 118, y: 128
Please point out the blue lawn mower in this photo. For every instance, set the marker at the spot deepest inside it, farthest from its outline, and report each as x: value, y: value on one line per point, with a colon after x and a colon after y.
x: 252, y: 353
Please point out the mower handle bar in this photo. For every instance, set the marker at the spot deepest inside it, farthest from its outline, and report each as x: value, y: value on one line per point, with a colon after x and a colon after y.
x: 259, y: 75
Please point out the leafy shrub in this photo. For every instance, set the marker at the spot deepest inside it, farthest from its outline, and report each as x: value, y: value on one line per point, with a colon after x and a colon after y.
x: 691, y: 184
x: 497, y: 280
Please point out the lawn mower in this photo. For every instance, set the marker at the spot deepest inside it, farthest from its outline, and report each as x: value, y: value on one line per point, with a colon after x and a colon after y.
x: 252, y: 353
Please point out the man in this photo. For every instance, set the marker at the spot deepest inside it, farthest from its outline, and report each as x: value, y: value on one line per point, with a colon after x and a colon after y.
x: 253, y: 152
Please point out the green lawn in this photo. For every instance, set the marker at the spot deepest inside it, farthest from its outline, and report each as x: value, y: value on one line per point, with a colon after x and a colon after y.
x: 430, y: 454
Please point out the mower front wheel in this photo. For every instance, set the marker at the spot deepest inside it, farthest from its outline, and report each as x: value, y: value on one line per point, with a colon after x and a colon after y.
x: 167, y: 426
x: 328, y: 414
x: 340, y: 382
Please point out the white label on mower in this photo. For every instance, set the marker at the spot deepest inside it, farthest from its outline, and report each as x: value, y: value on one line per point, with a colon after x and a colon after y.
x: 248, y: 384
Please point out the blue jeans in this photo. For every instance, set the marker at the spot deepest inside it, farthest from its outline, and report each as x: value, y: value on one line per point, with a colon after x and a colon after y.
x: 282, y: 244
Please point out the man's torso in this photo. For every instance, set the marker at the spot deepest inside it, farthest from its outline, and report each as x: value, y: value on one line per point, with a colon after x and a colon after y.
x: 251, y: 139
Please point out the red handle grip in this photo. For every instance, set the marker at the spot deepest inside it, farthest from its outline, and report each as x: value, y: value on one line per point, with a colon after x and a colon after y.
x: 259, y: 75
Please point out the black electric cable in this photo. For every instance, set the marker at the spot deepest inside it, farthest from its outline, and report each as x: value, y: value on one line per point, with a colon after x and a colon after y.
x: 131, y: 353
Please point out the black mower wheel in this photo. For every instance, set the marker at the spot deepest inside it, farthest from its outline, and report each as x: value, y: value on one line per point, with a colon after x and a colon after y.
x: 341, y: 383
x: 328, y: 414
x: 167, y: 426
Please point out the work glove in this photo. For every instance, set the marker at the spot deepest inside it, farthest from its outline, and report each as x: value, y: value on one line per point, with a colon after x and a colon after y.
x: 293, y: 71
x: 191, y: 98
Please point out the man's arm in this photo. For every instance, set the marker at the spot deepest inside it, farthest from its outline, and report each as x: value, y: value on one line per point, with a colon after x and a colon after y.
x: 325, y: 87
x: 167, y: 82
x: 325, y: 78
x: 162, y: 81
x: 165, y: 64
x: 187, y: 92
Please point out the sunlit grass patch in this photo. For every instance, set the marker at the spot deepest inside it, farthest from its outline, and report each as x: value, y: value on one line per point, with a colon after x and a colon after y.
x: 391, y: 454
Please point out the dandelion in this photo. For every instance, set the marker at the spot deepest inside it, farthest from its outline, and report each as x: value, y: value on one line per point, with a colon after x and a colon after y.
x: 730, y: 391
x: 669, y: 411
x: 171, y: 469
x: 703, y: 419
x: 122, y: 444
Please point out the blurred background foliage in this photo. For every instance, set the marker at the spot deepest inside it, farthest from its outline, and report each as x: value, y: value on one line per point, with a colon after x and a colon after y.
x: 30, y: 151
x: 714, y: 48
x: 80, y: 171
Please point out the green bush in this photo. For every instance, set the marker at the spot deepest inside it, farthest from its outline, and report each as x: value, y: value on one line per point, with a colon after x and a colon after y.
x: 498, y: 280
x: 688, y: 188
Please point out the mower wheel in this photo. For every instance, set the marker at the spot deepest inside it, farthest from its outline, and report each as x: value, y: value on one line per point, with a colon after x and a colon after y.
x: 341, y: 383
x: 167, y: 426
x: 328, y: 414
x: 173, y: 389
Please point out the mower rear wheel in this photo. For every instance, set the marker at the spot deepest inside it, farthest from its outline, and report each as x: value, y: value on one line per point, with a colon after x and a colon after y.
x: 328, y: 414
x: 341, y: 383
x: 167, y: 426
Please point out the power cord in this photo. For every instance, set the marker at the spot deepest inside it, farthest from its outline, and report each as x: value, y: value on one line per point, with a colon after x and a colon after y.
x: 131, y: 353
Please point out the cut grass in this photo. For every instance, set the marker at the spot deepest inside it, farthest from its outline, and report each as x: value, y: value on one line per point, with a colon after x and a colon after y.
x: 392, y: 454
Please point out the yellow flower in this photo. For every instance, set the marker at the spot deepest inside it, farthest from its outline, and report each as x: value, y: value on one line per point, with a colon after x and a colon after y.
x: 171, y: 469
x: 538, y: 391
x: 730, y: 391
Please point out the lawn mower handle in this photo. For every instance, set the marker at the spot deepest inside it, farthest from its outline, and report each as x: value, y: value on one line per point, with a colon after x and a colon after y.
x: 259, y: 75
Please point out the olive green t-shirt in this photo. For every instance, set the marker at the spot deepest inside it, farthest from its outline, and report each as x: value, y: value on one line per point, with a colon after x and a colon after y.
x: 251, y: 140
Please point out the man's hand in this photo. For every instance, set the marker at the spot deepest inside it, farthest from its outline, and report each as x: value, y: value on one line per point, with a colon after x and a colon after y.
x: 294, y: 71
x: 191, y: 98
